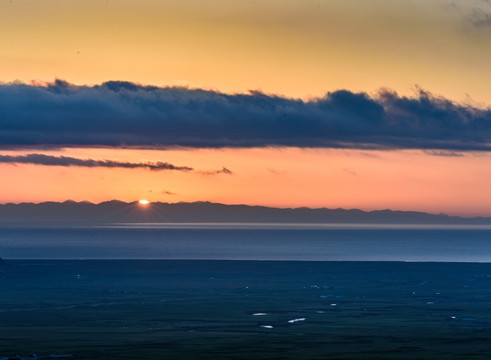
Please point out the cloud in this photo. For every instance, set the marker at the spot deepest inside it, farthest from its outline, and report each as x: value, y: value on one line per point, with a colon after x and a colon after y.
x: 41, y: 159
x: 475, y: 12
x: 277, y: 172
x: 443, y: 153
x: 119, y: 114
x: 350, y: 171
x: 224, y: 170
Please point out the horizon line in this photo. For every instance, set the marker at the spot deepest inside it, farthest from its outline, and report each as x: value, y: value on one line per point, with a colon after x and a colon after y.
x: 136, y: 202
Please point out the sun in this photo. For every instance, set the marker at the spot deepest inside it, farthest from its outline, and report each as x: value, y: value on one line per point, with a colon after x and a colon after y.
x: 143, y: 202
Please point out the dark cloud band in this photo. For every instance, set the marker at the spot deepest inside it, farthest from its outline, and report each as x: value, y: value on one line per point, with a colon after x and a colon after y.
x: 127, y: 114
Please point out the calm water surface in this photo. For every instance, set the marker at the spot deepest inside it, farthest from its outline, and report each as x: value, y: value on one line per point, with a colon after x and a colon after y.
x: 249, y: 242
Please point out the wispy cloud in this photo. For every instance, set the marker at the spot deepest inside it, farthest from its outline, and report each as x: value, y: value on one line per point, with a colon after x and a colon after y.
x: 475, y: 12
x: 216, y: 172
x: 127, y: 114
x: 48, y: 160
x: 444, y: 153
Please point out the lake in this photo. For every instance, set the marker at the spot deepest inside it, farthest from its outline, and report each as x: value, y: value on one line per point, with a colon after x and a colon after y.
x: 249, y: 242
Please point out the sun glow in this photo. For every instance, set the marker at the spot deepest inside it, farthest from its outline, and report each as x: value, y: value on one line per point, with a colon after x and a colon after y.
x: 144, y: 202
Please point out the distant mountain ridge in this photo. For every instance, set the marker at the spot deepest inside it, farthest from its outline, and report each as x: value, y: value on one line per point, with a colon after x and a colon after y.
x: 115, y: 211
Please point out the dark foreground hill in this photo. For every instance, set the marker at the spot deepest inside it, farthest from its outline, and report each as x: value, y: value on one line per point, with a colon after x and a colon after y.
x: 122, y: 212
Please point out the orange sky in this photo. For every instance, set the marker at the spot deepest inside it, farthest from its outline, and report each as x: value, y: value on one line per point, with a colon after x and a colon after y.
x: 287, y: 177
x: 298, y: 48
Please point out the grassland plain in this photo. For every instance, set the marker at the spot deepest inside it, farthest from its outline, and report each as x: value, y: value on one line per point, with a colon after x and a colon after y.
x: 177, y: 309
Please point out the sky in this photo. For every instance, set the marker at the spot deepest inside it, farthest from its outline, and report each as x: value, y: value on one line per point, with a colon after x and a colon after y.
x: 354, y: 104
